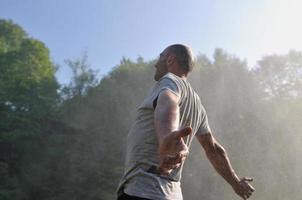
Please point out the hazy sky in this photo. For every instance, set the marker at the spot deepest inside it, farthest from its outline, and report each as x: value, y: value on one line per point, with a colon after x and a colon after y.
x: 111, y: 29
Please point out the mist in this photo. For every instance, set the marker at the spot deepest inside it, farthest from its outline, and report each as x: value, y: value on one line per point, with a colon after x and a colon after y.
x: 68, y: 141
x: 258, y: 126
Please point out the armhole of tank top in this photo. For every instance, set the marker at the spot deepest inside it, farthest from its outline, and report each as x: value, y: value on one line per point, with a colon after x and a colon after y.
x: 155, y: 103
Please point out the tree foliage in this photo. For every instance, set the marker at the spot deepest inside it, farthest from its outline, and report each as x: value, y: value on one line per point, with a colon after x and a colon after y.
x: 75, y: 149
x: 11, y: 36
x: 83, y: 78
x: 28, y: 95
x: 281, y: 75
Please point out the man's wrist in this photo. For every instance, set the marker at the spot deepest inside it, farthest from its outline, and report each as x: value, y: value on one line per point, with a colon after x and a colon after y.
x: 235, y: 181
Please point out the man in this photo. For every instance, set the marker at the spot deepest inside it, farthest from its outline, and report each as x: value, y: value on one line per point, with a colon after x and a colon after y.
x: 159, y: 140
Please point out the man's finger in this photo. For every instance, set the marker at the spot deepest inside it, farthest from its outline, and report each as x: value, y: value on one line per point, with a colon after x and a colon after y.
x: 249, y: 193
x: 249, y: 188
x: 177, y: 165
x: 183, y: 159
x: 179, y: 158
x: 164, y: 171
x: 167, y: 169
x: 184, y: 132
x: 252, y: 188
x: 166, y: 161
x: 184, y: 152
x: 248, y: 179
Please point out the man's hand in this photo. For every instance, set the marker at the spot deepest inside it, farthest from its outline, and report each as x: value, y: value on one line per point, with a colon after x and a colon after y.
x: 173, y: 150
x: 243, y: 188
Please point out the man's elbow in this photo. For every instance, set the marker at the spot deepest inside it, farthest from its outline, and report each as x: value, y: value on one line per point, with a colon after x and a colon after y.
x: 210, y: 145
x: 215, y: 150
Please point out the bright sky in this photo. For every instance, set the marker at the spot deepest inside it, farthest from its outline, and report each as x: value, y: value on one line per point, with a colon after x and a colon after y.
x: 111, y: 29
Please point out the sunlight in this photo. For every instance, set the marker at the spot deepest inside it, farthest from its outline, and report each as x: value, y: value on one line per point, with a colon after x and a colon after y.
x: 282, y: 29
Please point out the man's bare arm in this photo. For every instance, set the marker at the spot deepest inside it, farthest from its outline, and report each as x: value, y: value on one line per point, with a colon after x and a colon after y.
x: 220, y: 161
x: 172, y: 148
x: 166, y: 114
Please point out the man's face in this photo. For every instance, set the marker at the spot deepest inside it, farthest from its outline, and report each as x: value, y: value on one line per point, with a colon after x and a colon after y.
x: 161, y: 66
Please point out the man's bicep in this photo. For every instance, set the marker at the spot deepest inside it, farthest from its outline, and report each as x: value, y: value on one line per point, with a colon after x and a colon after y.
x: 208, y: 142
x: 204, y: 133
x: 166, y: 114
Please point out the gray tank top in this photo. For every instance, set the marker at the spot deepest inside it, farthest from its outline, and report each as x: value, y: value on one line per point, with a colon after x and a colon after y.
x: 141, y: 177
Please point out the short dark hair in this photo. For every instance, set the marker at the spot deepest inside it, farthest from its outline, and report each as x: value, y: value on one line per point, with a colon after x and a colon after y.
x: 183, y: 55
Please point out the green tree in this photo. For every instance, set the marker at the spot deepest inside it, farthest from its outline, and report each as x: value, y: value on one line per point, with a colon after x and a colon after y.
x: 79, y: 154
x: 83, y: 78
x: 11, y: 36
x: 102, y: 118
x: 28, y: 97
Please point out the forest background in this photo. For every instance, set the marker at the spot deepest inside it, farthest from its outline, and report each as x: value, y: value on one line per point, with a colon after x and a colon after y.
x: 67, y: 141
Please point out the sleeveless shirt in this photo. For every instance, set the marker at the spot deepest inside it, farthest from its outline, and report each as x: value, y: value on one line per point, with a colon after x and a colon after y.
x: 141, y: 177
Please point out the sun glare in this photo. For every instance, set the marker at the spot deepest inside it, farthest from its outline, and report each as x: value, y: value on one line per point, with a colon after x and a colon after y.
x: 282, y: 25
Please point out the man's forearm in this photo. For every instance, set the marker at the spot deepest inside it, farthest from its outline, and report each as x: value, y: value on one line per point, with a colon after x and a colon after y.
x: 220, y: 161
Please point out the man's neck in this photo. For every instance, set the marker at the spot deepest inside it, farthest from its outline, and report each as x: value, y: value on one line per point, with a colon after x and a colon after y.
x: 180, y: 75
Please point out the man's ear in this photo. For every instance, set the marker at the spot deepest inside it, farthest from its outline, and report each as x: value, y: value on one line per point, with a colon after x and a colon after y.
x: 170, y: 60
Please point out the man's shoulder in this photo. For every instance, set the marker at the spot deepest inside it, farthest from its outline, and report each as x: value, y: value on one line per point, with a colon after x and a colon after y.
x: 171, y: 78
x: 170, y: 75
